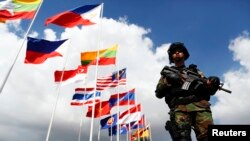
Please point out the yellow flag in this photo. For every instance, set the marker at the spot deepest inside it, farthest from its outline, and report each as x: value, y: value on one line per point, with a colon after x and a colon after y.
x: 27, y: 1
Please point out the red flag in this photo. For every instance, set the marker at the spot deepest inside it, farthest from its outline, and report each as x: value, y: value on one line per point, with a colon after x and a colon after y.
x: 101, y: 109
x: 70, y: 76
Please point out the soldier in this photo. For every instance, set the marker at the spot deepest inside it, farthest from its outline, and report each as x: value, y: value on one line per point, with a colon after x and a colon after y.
x: 189, y: 108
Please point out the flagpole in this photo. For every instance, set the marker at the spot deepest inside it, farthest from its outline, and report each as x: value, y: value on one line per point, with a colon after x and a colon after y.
x: 150, y: 135
x: 118, y: 109
x: 19, y: 51
x: 129, y: 112
x: 57, y: 97
x: 81, y: 117
x: 96, y: 72
x: 99, y: 133
x: 99, y: 124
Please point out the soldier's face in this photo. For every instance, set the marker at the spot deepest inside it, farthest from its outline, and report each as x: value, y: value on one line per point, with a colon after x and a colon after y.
x: 178, y: 55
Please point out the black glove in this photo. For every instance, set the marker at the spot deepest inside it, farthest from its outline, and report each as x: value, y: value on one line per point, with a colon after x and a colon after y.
x: 214, y: 80
x: 215, y: 83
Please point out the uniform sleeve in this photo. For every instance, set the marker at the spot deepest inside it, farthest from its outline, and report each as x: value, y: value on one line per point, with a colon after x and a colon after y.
x: 162, y: 88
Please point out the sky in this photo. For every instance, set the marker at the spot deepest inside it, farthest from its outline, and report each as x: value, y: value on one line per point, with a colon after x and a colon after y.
x: 216, y: 34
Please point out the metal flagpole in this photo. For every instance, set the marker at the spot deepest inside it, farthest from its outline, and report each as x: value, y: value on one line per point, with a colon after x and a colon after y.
x: 150, y: 135
x: 57, y: 97
x: 81, y: 120
x: 99, y: 132
x: 118, y: 109
x: 96, y: 72
x: 14, y: 62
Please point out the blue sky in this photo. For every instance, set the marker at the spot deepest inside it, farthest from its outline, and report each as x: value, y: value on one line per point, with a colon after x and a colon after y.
x: 204, y: 26
x: 216, y: 34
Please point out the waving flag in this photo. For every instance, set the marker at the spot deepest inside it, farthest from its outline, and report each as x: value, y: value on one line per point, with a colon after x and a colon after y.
x: 133, y: 114
x: 18, y: 9
x: 70, y: 76
x: 106, y: 57
x: 39, y: 50
x: 109, y: 121
x: 111, y: 81
x: 84, y: 15
x: 101, y: 108
x: 123, y: 99
x: 142, y: 133
x: 113, y: 130
x: 139, y: 123
x: 84, y: 96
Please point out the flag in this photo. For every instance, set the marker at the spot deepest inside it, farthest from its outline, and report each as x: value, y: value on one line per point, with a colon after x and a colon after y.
x: 101, y: 108
x: 109, y: 121
x: 70, y: 76
x: 124, y: 128
x: 18, y: 9
x: 2, y: 21
x: 113, y: 130
x: 111, y: 81
x: 39, y: 50
x: 85, y: 96
x: 106, y: 57
x: 123, y: 99
x: 84, y: 15
x: 142, y: 133
x: 139, y: 124
x: 133, y: 114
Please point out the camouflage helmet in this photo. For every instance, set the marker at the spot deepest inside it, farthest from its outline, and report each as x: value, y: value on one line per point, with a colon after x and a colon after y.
x: 173, y: 47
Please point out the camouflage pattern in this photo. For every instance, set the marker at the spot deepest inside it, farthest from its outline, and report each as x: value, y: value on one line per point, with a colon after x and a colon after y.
x: 202, y: 120
x: 195, y: 114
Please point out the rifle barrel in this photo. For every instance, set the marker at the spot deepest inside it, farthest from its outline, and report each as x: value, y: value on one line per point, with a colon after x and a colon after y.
x: 226, y: 90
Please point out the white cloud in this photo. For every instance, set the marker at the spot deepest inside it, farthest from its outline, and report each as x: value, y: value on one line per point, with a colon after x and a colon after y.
x: 233, y: 109
x: 30, y: 93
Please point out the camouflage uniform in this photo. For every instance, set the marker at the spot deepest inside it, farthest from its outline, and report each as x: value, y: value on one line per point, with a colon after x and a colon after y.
x: 188, y: 109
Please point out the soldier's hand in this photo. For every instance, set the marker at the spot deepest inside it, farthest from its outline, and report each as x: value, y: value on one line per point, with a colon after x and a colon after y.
x: 214, y: 82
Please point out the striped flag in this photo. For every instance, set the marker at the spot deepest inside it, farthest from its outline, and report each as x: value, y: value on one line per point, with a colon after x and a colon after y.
x: 106, y: 57
x: 84, y: 96
x: 111, y: 81
x: 18, y: 9
x: 133, y: 114
x: 39, y: 50
x: 70, y: 76
x: 83, y: 15
x: 123, y: 99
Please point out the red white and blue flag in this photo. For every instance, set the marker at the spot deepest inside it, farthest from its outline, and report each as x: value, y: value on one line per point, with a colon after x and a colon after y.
x: 109, y: 121
x: 84, y: 15
x: 123, y: 99
x: 85, y: 96
x: 39, y: 50
x: 139, y: 124
x: 123, y: 130
x: 111, y: 81
x: 133, y: 114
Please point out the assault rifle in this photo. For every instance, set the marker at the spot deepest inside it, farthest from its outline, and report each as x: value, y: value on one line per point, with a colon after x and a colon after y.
x: 189, y: 77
